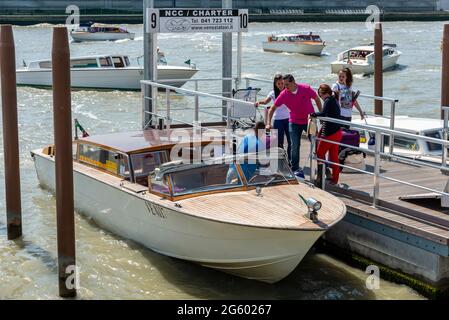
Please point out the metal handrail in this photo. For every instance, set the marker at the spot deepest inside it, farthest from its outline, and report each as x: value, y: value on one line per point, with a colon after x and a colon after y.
x: 378, y: 154
x: 195, y: 93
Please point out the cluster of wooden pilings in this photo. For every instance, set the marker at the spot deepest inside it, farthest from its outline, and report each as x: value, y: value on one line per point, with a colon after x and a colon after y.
x: 63, y: 144
x: 63, y: 139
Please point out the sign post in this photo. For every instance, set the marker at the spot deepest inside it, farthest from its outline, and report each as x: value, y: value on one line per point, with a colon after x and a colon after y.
x: 176, y: 20
x: 196, y: 20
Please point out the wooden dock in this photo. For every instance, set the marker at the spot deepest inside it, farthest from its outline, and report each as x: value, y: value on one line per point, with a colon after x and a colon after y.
x: 410, y: 237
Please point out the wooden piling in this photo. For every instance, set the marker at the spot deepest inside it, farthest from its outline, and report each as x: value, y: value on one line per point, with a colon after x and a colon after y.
x: 63, y: 162
x: 445, y: 69
x: 378, y: 68
x: 10, y: 132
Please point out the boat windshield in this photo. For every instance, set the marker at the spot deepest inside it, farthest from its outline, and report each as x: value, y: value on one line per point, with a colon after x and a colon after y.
x: 196, y: 178
x: 434, y: 146
x: 266, y: 169
x: 184, y: 179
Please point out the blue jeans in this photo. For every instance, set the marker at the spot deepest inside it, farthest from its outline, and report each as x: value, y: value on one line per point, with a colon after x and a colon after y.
x: 282, y: 127
x: 295, y: 135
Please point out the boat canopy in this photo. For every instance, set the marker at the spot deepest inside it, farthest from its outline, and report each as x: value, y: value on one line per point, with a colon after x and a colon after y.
x: 146, y: 140
x: 295, y: 37
x: 114, y: 61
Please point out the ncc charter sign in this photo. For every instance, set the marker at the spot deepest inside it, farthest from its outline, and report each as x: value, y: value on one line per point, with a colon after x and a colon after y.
x: 196, y: 20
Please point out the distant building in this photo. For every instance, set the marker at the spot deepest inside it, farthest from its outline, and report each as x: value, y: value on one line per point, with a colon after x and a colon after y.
x: 261, y: 6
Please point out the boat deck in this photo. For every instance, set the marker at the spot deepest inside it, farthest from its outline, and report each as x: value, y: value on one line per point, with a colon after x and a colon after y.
x: 423, y: 218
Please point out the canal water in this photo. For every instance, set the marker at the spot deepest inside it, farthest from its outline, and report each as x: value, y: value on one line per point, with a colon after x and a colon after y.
x: 115, y: 268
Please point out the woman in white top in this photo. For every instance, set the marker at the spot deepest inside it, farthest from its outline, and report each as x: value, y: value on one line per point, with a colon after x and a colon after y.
x: 281, y: 114
x: 345, y: 95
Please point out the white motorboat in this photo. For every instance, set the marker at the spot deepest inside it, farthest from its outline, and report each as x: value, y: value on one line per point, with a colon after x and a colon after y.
x: 103, y: 72
x: 310, y: 44
x: 403, y: 146
x: 251, y: 223
x: 100, y: 32
x: 361, y: 59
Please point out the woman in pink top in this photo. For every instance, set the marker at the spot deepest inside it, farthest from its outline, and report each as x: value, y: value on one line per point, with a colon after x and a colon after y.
x: 298, y: 99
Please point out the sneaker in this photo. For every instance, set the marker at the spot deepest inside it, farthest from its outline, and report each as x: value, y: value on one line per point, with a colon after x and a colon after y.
x: 300, y: 174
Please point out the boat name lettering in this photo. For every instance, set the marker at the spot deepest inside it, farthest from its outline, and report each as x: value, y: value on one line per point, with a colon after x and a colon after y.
x: 155, y: 210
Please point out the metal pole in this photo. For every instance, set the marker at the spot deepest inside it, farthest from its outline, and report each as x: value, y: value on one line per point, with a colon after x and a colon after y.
x: 312, y: 158
x: 226, y: 59
x: 228, y: 114
x: 377, y: 168
x: 10, y: 133
x: 445, y: 135
x: 378, y: 69
x: 197, y: 105
x: 247, y: 83
x: 150, y: 67
x: 445, y: 68
x: 323, y: 176
x: 392, y: 116
x: 168, y: 121
x: 63, y: 161
x: 239, y: 60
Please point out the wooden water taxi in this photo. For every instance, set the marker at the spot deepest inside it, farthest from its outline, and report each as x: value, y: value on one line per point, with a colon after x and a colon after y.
x: 100, y: 32
x: 309, y: 44
x: 247, y: 219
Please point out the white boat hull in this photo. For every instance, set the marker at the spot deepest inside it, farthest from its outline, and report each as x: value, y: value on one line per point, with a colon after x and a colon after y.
x: 256, y: 253
x: 364, y: 68
x: 293, y: 47
x: 101, y: 36
x: 105, y: 78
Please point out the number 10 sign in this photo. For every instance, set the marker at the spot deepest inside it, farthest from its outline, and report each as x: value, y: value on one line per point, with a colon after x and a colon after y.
x: 196, y: 20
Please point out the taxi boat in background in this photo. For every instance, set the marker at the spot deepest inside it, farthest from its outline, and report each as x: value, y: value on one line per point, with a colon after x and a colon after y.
x: 407, y: 147
x: 103, y: 72
x: 100, y: 32
x: 361, y: 59
x: 255, y: 223
x: 309, y: 44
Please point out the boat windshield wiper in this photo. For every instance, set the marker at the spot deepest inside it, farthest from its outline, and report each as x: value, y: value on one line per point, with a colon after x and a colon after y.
x: 269, y: 181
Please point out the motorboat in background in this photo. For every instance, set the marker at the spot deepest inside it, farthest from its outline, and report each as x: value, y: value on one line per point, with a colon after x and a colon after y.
x: 100, y: 32
x: 361, y: 59
x: 104, y: 72
x: 309, y: 44
x: 403, y: 146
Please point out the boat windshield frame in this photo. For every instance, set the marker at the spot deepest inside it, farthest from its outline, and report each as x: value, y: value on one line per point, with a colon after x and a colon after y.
x: 236, y: 168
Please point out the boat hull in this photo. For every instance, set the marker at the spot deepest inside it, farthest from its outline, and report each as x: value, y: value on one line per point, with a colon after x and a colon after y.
x: 105, y: 78
x: 294, y: 47
x: 263, y: 254
x: 101, y: 36
x: 365, y: 68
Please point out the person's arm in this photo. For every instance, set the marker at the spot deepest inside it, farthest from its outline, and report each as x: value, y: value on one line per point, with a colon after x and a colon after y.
x: 270, y: 116
x: 322, y: 113
x: 263, y: 102
x: 318, y: 103
x: 357, y: 106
